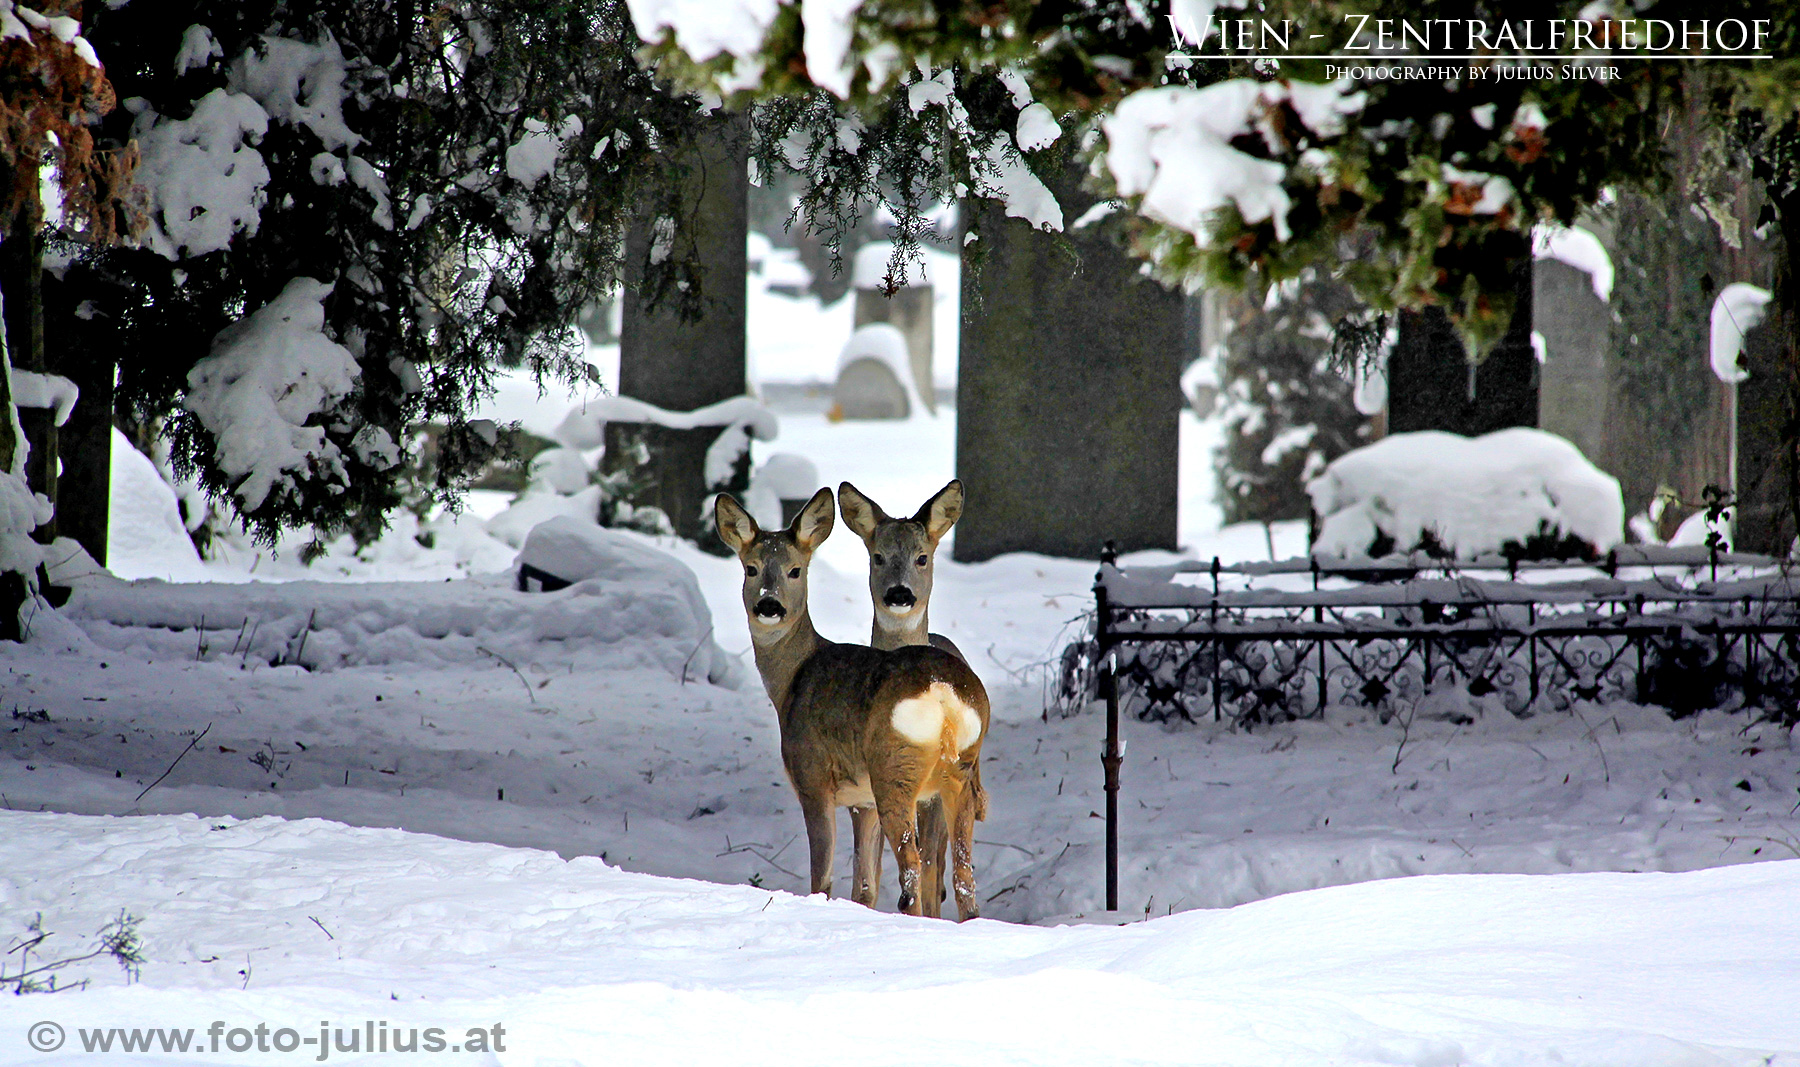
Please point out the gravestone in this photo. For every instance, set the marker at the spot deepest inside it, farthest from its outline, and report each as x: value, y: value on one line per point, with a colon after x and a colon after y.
x: 683, y: 364
x: 1068, y: 391
x: 1575, y: 380
x: 1429, y: 386
x: 871, y: 375
x: 908, y: 309
x: 1765, y: 521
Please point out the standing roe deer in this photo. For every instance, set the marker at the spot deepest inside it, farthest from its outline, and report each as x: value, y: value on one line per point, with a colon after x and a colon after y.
x: 902, y: 556
x: 875, y: 731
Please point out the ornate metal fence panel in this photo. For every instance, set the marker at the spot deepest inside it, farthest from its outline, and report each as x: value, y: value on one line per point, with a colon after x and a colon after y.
x: 1685, y: 628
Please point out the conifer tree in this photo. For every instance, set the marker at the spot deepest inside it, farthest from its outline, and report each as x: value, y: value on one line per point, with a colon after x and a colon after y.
x: 456, y: 178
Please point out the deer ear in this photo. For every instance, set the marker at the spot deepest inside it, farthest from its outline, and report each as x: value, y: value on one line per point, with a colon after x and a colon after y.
x: 860, y: 513
x: 940, y: 513
x: 813, y: 525
x: 736, y: 527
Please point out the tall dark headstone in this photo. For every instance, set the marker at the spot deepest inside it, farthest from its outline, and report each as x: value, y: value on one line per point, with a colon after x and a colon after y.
x: 1766, y: 463
x: 1068, y: 393
x: 1429, y: 384
x: 678, y: 362
x: 84, y: 491
x: 1575, y: 382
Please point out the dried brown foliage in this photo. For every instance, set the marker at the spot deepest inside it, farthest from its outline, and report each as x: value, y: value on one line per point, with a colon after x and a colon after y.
x: 50, y: 99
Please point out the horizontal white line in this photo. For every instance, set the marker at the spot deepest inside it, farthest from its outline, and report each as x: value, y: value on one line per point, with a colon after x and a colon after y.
x: 1407, y: 57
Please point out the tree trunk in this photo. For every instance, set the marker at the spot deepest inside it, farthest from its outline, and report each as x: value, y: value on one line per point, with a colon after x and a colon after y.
x: 1783, y: 321
x: 21, y: 277
x: 686, y: 363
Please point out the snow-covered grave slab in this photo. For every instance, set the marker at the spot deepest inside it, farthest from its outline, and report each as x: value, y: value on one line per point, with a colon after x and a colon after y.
x: 579, y: 963
x: 1470, y: 496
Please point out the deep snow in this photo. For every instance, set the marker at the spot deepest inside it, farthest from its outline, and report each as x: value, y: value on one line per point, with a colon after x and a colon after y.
x: 444, y: 723
x: 300, y: 924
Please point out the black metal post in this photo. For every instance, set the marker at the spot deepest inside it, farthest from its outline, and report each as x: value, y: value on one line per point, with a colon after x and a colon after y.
x: 1111, y: 755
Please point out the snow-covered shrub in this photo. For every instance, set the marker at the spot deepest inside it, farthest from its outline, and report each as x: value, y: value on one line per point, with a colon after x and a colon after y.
x: 628, y: 476
x: 1520, y: 491
x: 265, y: 397
x: 1287, y: 412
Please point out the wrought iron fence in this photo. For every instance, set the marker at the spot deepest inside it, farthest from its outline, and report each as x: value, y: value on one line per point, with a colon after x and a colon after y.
x: 1686, y: 628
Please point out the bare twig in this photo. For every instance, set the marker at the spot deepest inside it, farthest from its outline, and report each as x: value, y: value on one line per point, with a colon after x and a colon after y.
x: 320, y: 925
x: 248, y: 645
x: 1605, y: 770
x: 301, y: 651
x: 515, y: 670
x: 761, y: 852
x: 1007, y: 844
x: 1784, y: 843
x: 1405, y: 731
x: 690, y: 656
x: 165, y: 774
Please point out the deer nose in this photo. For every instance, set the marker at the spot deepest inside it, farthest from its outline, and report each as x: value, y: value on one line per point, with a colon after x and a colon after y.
x: 770, y: 608
x: 899, y: 596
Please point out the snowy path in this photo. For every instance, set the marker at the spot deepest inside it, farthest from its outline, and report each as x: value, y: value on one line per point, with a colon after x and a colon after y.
x: 684, y: 780
x: 583, y: 963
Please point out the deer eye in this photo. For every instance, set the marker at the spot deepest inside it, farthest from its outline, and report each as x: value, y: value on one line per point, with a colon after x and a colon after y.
x: 878, y: 560
x: 795, y: 573
x: 749, y: 572
x: 922, y: 561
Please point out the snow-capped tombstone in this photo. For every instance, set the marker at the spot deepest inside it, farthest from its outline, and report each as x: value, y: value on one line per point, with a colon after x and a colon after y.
x: 873, y: 375
x: 1518, y: 490
x: 907, y: 308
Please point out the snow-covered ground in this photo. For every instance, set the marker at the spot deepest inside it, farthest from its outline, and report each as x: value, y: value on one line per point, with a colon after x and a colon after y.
x: 308, y: 929
x: 478, y: 803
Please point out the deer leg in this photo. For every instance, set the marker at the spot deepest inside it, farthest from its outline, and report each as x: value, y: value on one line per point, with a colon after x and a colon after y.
x: 821, y: 834
x: 960, y: 804
x: 980, y: 794
x: 900, y: 822
x: 933, y: 836
x: 867, y: 827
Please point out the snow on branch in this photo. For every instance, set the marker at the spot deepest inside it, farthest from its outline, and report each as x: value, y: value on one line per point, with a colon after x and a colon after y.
x: 269, y: 377
x: 1172, y: 146
x: 1579, y: 249
x: 1739, y: 308
x: 17, y: 20
x: 33, y: 390
x: 707, y: 29
x: 204, y: 177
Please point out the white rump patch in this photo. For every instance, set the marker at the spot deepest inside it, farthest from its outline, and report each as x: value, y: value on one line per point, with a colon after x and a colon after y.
x: 921, y: 719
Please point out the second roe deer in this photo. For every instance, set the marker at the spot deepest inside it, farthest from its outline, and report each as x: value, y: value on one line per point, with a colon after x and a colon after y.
x: 902, y: 559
